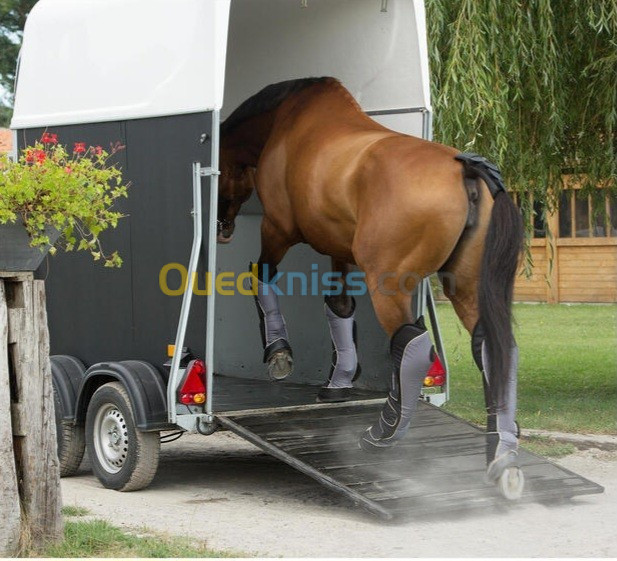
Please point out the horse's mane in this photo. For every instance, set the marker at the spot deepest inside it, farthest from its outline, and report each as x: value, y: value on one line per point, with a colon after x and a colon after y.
x: 268, y: 99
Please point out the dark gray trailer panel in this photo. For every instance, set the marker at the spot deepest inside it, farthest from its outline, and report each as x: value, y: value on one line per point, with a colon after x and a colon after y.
x: 99, y: 314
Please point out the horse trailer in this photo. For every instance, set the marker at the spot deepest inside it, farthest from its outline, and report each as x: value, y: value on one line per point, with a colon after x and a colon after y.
x: 130, y: 344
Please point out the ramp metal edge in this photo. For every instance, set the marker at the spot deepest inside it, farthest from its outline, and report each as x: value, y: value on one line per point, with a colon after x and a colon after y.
x: 306, y: 407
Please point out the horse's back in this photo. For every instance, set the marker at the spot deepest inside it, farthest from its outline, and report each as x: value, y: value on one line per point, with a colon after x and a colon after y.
x: 344, y: 180
x: 416, y: 179
x: 411, y: 195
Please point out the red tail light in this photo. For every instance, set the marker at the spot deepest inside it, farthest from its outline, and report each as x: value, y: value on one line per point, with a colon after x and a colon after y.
x: 193, y: 388
x: 436, y: 375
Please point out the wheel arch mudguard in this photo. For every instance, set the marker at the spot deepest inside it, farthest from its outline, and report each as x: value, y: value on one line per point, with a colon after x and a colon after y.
x: 142, y: 381
x: 67, y: 375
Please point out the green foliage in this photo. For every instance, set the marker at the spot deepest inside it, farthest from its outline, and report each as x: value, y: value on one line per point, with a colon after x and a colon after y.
x: 73, y: 193
x: 531, y: 84
x: 72, y: 510
x: 548, y: 447
x: 567, y: 367
x: 97, y: 538
x: 13, y: 15
x: 5, y: 115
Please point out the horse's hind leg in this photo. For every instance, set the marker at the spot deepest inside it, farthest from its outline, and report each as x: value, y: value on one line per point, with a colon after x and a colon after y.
x: 275, y: 339
x: 460, y: 279
x: 411, y: 350
x: 345, y: 368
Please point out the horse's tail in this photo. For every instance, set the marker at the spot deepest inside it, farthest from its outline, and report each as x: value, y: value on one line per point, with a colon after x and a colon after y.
x: 502, y: 247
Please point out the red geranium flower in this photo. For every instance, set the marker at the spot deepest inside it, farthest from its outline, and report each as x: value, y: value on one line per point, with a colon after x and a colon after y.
x: 29, y: 156
x: 49, y: 138
x: 97, y: 150
x: 116, y: 146
x: 40, y: 156
x: 79, y: 148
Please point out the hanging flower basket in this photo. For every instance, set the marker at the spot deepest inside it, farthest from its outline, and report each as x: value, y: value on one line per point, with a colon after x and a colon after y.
x: 53, y: 199
x: 16, y: 252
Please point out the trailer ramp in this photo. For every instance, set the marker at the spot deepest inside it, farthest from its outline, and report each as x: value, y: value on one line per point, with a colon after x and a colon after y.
x: 437, y: 468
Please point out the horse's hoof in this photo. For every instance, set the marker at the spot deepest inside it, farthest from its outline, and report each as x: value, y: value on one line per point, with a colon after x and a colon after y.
x: 280, y: 365
x: 333, y: 395
x: 511, y: 482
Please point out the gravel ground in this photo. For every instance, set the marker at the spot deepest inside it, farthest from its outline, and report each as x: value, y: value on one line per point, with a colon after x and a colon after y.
x: 223, y: 490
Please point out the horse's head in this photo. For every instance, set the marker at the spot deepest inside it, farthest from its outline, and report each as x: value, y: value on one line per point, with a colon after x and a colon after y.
x: 236, y: 184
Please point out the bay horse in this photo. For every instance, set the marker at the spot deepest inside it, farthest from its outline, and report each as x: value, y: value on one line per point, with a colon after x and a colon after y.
x: 392, y: 204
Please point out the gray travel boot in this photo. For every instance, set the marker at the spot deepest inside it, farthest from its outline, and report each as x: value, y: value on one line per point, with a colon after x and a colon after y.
x: 411, y: 349
x: 345, y: 368
x: 502, y: 430
x: 275, y: 340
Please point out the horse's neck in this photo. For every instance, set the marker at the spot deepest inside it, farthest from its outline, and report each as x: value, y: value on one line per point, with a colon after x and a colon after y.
x: 247, y: 141
x: 341, y: 95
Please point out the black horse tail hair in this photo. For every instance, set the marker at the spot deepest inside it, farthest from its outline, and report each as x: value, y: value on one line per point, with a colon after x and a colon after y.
x: 502, y: 247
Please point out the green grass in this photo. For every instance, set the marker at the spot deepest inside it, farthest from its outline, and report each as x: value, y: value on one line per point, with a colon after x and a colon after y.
x: 97, y: 538
x: 71, y: 510
x: 547, y: 447
x: 567, y: 373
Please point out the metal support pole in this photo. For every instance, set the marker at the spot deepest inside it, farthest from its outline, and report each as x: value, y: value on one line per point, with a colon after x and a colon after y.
x: 424, y: 287
x: 212, y: 233
x: 419, y: 301
x: 427, y: 124
x: 424, y: 298
x: 187, y: 296
x: 192, y: 421
x: 441, y: 351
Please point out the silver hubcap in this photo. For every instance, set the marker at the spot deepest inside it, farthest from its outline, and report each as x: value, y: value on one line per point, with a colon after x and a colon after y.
x: 111, y: 441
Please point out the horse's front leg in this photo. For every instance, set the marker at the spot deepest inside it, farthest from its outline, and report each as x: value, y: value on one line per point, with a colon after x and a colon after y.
x: 275, y: 339
x: 345, y: 368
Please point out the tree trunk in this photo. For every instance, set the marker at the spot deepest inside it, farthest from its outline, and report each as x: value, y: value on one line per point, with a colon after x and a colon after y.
x: 33, y: 421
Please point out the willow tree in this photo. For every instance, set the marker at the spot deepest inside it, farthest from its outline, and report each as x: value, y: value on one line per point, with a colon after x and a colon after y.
x: 531, y: 84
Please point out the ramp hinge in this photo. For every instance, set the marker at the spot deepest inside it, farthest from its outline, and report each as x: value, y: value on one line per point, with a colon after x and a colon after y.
x: 207, y: 172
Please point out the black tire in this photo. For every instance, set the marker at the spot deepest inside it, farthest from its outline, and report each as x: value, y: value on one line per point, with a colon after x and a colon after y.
x: 71, y: 441
x: 126, y: 459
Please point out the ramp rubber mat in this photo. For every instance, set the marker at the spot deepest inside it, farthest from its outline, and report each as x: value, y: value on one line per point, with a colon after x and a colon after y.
x: 438, y: 468
x: 246, y: 394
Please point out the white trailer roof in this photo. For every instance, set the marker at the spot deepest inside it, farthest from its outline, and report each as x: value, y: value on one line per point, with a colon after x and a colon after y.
x: 101, y: 60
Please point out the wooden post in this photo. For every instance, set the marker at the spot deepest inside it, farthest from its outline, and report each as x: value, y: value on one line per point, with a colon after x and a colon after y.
x: 552, y: 257
x: 32, y: 407
x: 10, y: 525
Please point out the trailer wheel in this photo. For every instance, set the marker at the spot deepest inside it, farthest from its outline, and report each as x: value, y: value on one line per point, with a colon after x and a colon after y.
x: 123, y: 458
x: 71, y: 441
